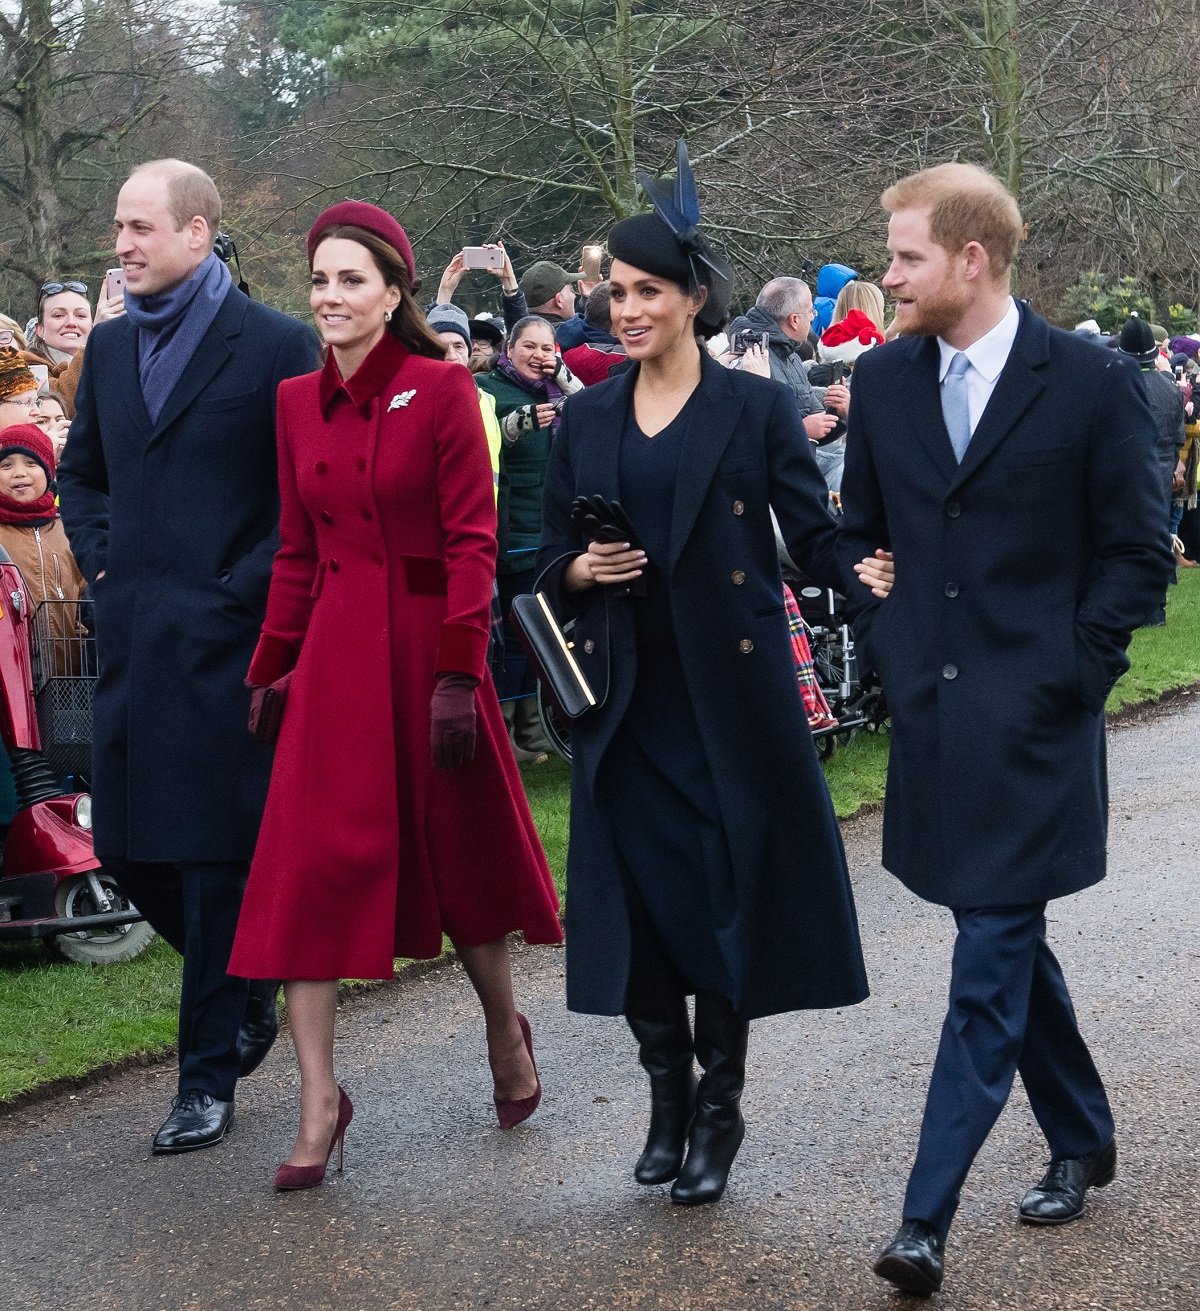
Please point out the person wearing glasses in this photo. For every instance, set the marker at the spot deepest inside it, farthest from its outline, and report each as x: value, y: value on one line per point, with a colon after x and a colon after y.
x: 18, y: 386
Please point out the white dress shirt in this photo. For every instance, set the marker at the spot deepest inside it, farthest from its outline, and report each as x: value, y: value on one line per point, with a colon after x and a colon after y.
x: 987, y: 357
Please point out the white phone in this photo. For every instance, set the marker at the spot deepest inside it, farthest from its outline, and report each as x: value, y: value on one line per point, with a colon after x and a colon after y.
x: 114, y: 284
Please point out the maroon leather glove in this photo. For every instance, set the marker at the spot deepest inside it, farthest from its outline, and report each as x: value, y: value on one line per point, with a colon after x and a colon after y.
x: 452, y: 720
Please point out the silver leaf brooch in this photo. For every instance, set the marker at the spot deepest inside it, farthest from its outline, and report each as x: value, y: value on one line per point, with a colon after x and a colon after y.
x: 400, y: 401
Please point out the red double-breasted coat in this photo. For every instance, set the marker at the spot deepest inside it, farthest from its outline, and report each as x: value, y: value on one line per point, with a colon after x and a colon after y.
x: 383, y: 579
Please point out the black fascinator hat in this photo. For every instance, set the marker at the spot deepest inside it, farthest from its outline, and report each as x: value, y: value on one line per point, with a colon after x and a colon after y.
x: 669, y: 243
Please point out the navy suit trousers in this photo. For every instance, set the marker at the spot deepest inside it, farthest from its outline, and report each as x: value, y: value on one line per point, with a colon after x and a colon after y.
x: 195, y: 908
x: 1009, y: 1012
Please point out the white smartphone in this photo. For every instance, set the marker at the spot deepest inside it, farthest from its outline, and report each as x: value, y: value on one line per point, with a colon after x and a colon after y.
x: 482, y: 257
x: 114, y: 284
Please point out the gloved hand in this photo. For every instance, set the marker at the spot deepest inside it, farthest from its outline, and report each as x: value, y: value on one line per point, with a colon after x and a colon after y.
x: 567, y: 382
x: 452, y: 720
x: 602, y: 520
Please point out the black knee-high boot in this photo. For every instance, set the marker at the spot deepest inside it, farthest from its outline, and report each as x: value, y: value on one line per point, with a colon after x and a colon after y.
x: 718, y: 1128
x: 666, y: 1054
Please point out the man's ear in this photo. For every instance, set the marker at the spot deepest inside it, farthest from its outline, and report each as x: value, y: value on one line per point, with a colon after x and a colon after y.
x: 977, y: 262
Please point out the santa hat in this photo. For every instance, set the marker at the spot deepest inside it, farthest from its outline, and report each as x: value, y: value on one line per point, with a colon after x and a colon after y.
x: 844, y: 342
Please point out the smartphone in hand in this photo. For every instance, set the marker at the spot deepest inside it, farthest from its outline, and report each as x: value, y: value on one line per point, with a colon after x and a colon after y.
x: 114, y: 284
x: 482, y: 257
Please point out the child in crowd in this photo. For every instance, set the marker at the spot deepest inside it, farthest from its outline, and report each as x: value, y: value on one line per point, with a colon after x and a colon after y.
x: 32, y: 534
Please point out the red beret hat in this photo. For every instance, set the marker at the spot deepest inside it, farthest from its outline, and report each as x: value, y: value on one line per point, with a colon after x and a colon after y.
x: 360, y: 214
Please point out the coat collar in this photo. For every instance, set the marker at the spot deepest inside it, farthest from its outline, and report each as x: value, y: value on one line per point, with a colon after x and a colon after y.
x: 1018, y: 386
x: 368, y: 381
x: 215, y: 348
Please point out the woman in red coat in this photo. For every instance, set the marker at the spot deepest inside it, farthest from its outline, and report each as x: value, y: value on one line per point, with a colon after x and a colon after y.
x: 392, y: 772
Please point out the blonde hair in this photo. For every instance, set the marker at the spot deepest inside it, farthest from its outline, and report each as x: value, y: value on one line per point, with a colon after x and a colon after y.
x: 865, y: 297
x: 191, y: 193
x: 965, y: 203
x: 17, y: 331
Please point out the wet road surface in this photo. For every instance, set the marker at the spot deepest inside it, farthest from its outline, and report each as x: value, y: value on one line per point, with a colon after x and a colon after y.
x: 438, y: 1209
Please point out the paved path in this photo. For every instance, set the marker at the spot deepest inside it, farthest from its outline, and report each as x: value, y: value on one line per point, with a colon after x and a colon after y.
x: 437, y: 1209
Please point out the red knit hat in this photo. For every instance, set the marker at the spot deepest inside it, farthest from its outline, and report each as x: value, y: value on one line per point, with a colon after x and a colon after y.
x: 847, y: 339
x: 28, y: 439
x: 360, y: 214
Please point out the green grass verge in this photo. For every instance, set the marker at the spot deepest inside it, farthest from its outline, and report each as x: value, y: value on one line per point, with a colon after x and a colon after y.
x: 60, y: 1020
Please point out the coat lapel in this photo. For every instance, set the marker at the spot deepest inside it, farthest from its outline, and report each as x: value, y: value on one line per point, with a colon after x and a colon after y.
x: 126, y: 360
x: 921, y: 403
x: 714, y: 414
x: 600, y: 461
x: 1016, y: 389
x: 214, y: 350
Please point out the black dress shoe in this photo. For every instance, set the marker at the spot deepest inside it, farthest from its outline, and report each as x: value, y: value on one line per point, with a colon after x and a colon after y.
x: 260, y: 1025
x: 196, y: 1120
x: 913, y: 1260
x: 1059, y: 1197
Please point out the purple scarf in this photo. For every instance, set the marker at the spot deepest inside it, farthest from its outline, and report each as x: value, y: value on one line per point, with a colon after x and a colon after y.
x: 545, y: 390
x: 170, y: 326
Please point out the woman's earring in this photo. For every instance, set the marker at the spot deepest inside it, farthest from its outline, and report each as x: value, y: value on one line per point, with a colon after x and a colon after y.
x: 387, y: 316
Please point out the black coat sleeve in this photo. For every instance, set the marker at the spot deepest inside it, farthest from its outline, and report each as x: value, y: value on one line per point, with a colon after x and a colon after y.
x: 799, y: 496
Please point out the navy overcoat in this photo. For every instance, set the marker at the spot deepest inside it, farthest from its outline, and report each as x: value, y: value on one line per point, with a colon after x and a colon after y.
x: 181, y: 515
x: 1020, y: 575
x: 744, y: 452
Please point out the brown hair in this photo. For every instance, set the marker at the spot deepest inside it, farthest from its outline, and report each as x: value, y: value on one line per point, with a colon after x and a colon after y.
x: 966, y: 203
x: 407, y: 324
x: 191, y: 193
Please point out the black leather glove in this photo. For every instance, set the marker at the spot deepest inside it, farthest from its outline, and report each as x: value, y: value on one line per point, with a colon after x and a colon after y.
x: 452, y: 720
x: 602, y: 520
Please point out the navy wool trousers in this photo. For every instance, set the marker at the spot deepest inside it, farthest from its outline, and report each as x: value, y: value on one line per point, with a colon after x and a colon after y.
x: 195, y: 908
x: 1009, y: 1012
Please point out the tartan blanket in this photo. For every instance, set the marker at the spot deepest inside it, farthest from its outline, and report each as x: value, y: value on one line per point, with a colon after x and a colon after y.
x: 815, y: 705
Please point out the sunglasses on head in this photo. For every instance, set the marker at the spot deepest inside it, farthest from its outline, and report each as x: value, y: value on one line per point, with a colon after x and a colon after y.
x: 56, y: 288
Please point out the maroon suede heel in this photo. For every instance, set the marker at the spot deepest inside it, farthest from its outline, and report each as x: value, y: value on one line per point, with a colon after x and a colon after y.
x: 511, y: 1112
x: 290, y: 1178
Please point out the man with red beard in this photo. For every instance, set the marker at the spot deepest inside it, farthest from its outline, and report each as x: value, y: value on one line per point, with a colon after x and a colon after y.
x: 1010, y: 468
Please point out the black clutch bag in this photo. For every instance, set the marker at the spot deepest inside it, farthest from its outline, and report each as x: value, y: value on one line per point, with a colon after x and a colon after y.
x: 551, y: 651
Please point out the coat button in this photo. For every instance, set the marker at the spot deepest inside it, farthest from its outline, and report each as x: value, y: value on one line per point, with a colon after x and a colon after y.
x: 953, y: 509
x: 334, y: 566
x: 951, y: 590
x: 745, y: 646
x: 360, y: 464
x: 737, y: 578
x: 739, y: 507
x: 589, y: 646
x: 367, y: 515
x: 326, y: 517
x: 949, y: 672
x: 377, y: 560
x: 322, y: 467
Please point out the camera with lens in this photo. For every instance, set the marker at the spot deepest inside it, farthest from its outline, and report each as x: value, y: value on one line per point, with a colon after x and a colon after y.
x: 742, y: 341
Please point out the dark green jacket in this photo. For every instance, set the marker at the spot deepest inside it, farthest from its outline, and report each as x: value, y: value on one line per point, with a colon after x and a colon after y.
x: 522, y: 474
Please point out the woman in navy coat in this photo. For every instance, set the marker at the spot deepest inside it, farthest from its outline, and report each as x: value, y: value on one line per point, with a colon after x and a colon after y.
x: 705, y: 857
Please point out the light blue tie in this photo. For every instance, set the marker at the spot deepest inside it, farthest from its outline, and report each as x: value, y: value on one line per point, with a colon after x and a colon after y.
x: 955, y: 410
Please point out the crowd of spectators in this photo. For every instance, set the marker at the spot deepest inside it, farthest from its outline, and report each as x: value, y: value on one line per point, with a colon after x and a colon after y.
x: 554, y: 335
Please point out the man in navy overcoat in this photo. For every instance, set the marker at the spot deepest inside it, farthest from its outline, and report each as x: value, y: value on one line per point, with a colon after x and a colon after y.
x: 170, y: 499
x: 1010, y: 468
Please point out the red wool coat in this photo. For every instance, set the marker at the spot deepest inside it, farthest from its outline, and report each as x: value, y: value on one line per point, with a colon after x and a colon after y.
x: 382, y: 580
